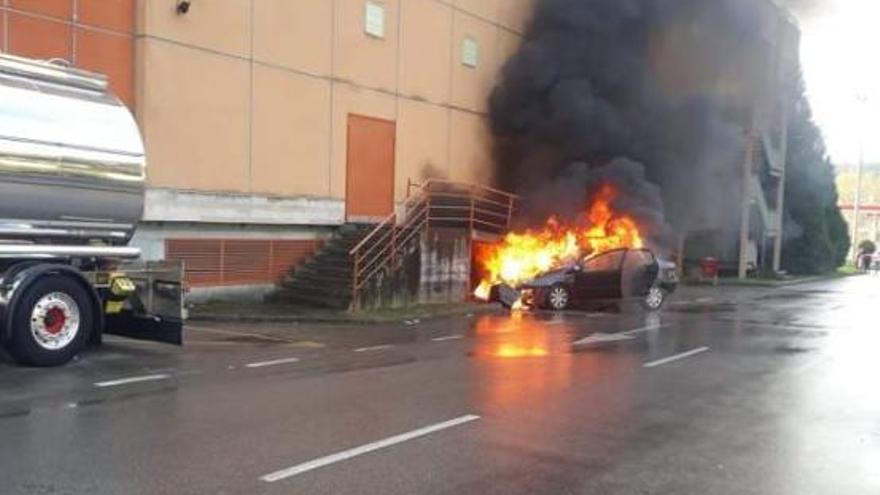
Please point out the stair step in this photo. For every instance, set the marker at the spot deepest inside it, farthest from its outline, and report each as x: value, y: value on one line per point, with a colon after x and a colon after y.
x: 316, y: 281
x: 330, y: 291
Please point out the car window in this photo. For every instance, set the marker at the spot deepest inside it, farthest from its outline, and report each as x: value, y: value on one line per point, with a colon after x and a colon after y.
x: 604, y: 262
x: 639, y: 257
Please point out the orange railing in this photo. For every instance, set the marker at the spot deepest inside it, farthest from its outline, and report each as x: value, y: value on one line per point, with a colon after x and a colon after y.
x: 433, y: 203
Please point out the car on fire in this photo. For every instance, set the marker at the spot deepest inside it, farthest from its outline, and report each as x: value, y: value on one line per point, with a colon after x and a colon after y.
x: 606, y: 278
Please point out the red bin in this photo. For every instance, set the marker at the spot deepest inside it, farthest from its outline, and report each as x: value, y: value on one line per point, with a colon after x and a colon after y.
x: 709, y: 268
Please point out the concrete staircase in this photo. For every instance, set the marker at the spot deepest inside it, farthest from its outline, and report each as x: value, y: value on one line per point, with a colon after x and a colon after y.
x: 325, y: 280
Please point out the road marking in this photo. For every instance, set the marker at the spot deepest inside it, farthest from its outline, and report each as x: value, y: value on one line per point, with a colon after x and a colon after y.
x: 274, y: 362
x: 448, y: 337
x: 374, y: 348
x: 646, y: 329
x: 683, y: 355
x: 600, y: 338
x: 134, y: 379
x: 365, y: 449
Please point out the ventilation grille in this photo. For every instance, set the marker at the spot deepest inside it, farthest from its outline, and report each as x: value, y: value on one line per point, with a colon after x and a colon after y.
x: 209, y: 262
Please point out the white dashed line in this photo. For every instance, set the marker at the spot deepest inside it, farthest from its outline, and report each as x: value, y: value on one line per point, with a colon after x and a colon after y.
x: 275, y: 362
x: 556, y: 322
x: 365, y: 449
x: 374, y: 348
x: 134, y: 379
x: 646, y: 329
x: 676, y: 357
x: 448, y: 337
x: 602, y: 338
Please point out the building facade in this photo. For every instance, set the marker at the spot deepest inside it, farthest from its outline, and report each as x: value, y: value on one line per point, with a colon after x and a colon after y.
x: 269, y: 123
x: 758, y: 81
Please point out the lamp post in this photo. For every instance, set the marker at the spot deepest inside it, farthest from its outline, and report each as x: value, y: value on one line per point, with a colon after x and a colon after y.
x: 862, y: 99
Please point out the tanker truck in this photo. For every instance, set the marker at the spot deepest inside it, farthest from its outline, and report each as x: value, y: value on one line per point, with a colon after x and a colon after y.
x: 72, y: 172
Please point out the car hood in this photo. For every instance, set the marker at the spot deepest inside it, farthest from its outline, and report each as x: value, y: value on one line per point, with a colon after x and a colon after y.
x: 548, y: 278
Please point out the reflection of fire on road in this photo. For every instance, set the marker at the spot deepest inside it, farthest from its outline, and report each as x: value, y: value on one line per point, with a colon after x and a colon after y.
x: 516, y: 338
x: 521, y: 256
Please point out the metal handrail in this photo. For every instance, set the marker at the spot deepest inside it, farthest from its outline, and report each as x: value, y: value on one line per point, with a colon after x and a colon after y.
x: 382, y: 246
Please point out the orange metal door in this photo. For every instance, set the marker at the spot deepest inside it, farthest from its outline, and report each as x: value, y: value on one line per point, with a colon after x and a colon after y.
x: 369, y: 195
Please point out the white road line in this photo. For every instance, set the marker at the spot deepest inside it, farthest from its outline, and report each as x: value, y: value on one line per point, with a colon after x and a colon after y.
x: 556, y: 322
x: 374, y: 348
x: 683, y: 355
x: 646, y: 329
x: 602, y: 338
x: 448, y: 337
x: 365, y: 449
x: 274, y: 362
x: 134, y: 379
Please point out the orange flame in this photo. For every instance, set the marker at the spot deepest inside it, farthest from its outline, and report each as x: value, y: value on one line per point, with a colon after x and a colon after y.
x: 521, y: 256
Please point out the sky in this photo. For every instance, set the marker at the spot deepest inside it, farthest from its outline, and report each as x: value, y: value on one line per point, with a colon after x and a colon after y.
x: 840, y: 51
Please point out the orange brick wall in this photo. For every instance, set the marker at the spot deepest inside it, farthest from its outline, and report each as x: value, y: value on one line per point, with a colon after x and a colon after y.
x: 95, y: 35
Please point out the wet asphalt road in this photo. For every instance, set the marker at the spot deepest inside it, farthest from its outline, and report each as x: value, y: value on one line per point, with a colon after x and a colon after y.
x: 735, y: 392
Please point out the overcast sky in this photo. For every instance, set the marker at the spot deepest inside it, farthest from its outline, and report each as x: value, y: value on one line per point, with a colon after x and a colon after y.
x: 841, y: 59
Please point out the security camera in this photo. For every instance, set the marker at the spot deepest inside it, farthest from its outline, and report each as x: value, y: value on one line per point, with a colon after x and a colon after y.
x: 183, y: 6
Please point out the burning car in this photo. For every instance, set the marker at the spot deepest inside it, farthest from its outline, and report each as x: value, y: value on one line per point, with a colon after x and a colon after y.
x: 610, y: 277
x: 613, y: 276
x: 599, y: 256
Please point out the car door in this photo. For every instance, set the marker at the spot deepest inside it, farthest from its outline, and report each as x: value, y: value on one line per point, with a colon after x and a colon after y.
x: 600, y: 277
x: 640, y: 270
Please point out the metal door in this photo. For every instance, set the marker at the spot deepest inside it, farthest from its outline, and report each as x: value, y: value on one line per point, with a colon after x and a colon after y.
x: 369, y: 191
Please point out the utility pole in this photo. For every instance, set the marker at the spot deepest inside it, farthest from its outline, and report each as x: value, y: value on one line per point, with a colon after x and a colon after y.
x: 862, y: 100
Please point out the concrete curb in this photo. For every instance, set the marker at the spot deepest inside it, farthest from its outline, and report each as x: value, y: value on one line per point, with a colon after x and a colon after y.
x: 770, y: 284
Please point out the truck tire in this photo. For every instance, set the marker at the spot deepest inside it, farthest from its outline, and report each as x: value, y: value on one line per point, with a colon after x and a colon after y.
x: 51, y: 322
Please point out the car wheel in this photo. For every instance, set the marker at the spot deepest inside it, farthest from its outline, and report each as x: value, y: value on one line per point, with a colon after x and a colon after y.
x: 558, y: 297
x: 51, y: 322
x: 654, y: 299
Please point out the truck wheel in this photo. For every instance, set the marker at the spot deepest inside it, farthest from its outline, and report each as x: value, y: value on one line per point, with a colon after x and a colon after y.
x: 51, y: 322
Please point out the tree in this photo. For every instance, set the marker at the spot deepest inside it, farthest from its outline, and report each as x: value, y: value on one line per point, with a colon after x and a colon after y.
x: 816, y: 235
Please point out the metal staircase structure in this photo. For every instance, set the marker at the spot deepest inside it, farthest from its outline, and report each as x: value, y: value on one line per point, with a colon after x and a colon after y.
x: 432, y: 204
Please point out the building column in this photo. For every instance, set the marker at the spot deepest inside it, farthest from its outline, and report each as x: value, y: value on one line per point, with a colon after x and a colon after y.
x: 746, y: 206
x: 780, y: 220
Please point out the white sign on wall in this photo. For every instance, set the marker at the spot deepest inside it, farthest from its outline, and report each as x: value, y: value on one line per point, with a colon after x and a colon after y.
x: 470, y: 52
x: 374, y: 19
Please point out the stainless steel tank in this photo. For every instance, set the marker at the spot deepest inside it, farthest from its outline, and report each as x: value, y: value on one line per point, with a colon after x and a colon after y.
x: 72, y: 164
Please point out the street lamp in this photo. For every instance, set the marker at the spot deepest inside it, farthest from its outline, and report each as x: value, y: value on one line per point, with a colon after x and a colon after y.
x: 862, y: 99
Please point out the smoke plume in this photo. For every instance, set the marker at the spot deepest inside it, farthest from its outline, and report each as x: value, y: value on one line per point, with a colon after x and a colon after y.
x: 651, y: 95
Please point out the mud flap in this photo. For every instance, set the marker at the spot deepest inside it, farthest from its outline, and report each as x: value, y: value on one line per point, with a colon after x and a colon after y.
x: 154, y: 311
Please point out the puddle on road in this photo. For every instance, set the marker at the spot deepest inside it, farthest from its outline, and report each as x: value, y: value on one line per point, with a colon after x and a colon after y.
x: 705, y: 309
x: 791, y: 349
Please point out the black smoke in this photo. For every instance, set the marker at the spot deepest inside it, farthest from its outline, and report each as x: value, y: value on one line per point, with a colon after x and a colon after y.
x: 652, y: 94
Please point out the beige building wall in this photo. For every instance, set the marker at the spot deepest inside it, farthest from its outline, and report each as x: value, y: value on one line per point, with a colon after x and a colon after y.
x: 251, y: 97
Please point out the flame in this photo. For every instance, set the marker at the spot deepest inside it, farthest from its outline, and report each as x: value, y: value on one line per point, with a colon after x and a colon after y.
x: 521, y: 256
x: 483, y: 291
x: 512, y: 351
